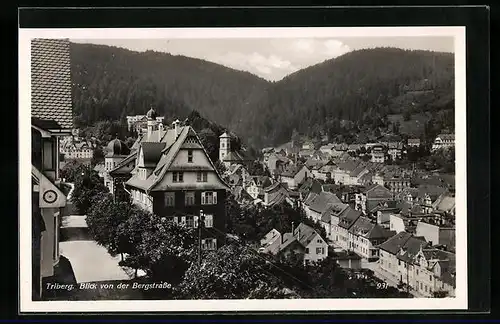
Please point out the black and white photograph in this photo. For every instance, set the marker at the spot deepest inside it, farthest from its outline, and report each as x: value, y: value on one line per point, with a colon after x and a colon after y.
x: 202, y: 169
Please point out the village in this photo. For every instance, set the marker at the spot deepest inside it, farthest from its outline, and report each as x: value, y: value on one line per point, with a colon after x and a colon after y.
x: 356, y: 206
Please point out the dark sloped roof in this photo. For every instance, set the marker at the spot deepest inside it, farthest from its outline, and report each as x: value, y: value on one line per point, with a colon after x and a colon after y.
x: 321, y: 202
x: 51, y: 98
x: 152, y: 153
x: 304, y: 234
x: 123, y: 162
x: 395, y: 243
x: 348, y: 216
x: 411, y: 248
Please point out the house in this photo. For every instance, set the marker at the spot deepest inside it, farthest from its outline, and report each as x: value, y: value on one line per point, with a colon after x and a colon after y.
x: 228, y: 156
x: 365, y: 236
x: 384, y: 210
x: 413, y: 142
x: 396, y: 182
x: 356, y: 174
x: 445, y: 203
x: 339, y: 149
x: 378, y: 154
x: 256, y: 186
x: 353, y: 148
x: 277, y: 163
x: 319, y: 204
x: 443, y: 141
x: 342, y: 219
x: 342, y: 174
x: 306, y: 153
x: 275, y: 194
x: 116, y: 152
x: 295, y: 175
x: 327, y: 149
x: 120, y: 174
x: 308, y: 186
x: 138, y: 123
x: 436, y: 233
x: 303, y: 240
x: 371, y: 197
x: 397, y: 256
x: 326, y: 171
x: 72, y: 150
x: 347, y: 260
x: 435, y: 271
x: 180, y: 183
x: 308, y: 145
x: 395, y: 150
x: 51, y: 118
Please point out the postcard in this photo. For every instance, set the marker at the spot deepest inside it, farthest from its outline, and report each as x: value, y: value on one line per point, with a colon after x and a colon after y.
x: 242, y: 169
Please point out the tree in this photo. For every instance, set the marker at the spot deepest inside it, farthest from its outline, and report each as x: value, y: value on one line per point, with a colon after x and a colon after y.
x: 165, y: 251
x: 97, y: 156
x: 104, y: 218
x: 86, y: 185
x: 231, y: 272
x: 72, y: 169
x: 210, y: 142
x: 407, y: 115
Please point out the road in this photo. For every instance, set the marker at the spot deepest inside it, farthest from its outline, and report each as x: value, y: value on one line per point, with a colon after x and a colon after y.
x: 90, y: 262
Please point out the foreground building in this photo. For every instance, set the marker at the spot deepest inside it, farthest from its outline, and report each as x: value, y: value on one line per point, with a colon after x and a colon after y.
x: 303, y: 241
x: 173, y: 177
x: 51, y: 118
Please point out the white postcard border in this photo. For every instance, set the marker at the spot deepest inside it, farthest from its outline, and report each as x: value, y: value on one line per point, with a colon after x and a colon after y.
x: 27, y: 305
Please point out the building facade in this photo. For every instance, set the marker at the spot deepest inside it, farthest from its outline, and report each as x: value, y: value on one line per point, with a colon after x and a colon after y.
x: 51, y: 118
x: 174, y: 178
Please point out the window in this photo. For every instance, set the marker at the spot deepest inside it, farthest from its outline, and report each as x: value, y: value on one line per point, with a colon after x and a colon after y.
x: 189, y: 198
x: 417, y: 271
x: 425, y: 288
x: 208, y: 244
x: 190, y: 221
x: 307, y: 250
x: 170, y: 199
x: 178, y: 177
x: 209, y: 220
x: 190, y: 156
x: 318, y: 240
x: 430, y: 278
x: 209, y: 198
x: 222, y: 144
x: 201, y: 176
x: 320, y: 250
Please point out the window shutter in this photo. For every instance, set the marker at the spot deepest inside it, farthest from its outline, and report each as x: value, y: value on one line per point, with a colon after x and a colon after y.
x: 183, y: 220
x: 215, y: 198
x: 195, y: 222
x: 203, y: 198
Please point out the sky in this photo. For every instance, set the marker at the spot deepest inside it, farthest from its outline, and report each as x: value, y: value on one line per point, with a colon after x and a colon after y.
x: 273, y: 59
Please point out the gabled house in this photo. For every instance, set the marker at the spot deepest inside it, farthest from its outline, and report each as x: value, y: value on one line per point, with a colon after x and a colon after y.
x: 308, y: 186
x: 443, y: 141
x: 295, y: 175
x: 371, y: 197
x: 364, y: 237
x: 342, y: 219
x: 397, y: 256
x: 378, y: 153
x: 275, y: 194
x: 303, y: 240
x: 180, y: 183
x: 436, y: 272
x: 319, y: 204
x: 256, y: 186
x: 51, y: 118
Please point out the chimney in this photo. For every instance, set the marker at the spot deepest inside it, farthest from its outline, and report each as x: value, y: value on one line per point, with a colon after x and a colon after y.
x: 175, y: 125
x: 293, y: 227
x: 298, y: 233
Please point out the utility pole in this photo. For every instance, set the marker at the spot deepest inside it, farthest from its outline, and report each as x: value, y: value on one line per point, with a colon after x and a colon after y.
x: 201, y: 222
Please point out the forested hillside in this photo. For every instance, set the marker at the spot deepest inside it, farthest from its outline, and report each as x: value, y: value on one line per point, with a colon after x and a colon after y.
x: 111, y: 83
x: 362, y: 87
x: 362, y: 94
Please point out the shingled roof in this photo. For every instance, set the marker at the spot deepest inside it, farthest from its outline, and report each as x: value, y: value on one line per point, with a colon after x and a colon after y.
x: 51, y: 99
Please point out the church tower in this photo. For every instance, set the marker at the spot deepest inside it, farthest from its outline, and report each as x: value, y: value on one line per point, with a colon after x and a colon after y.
x: 152, y: 123
x: 225, y: 146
